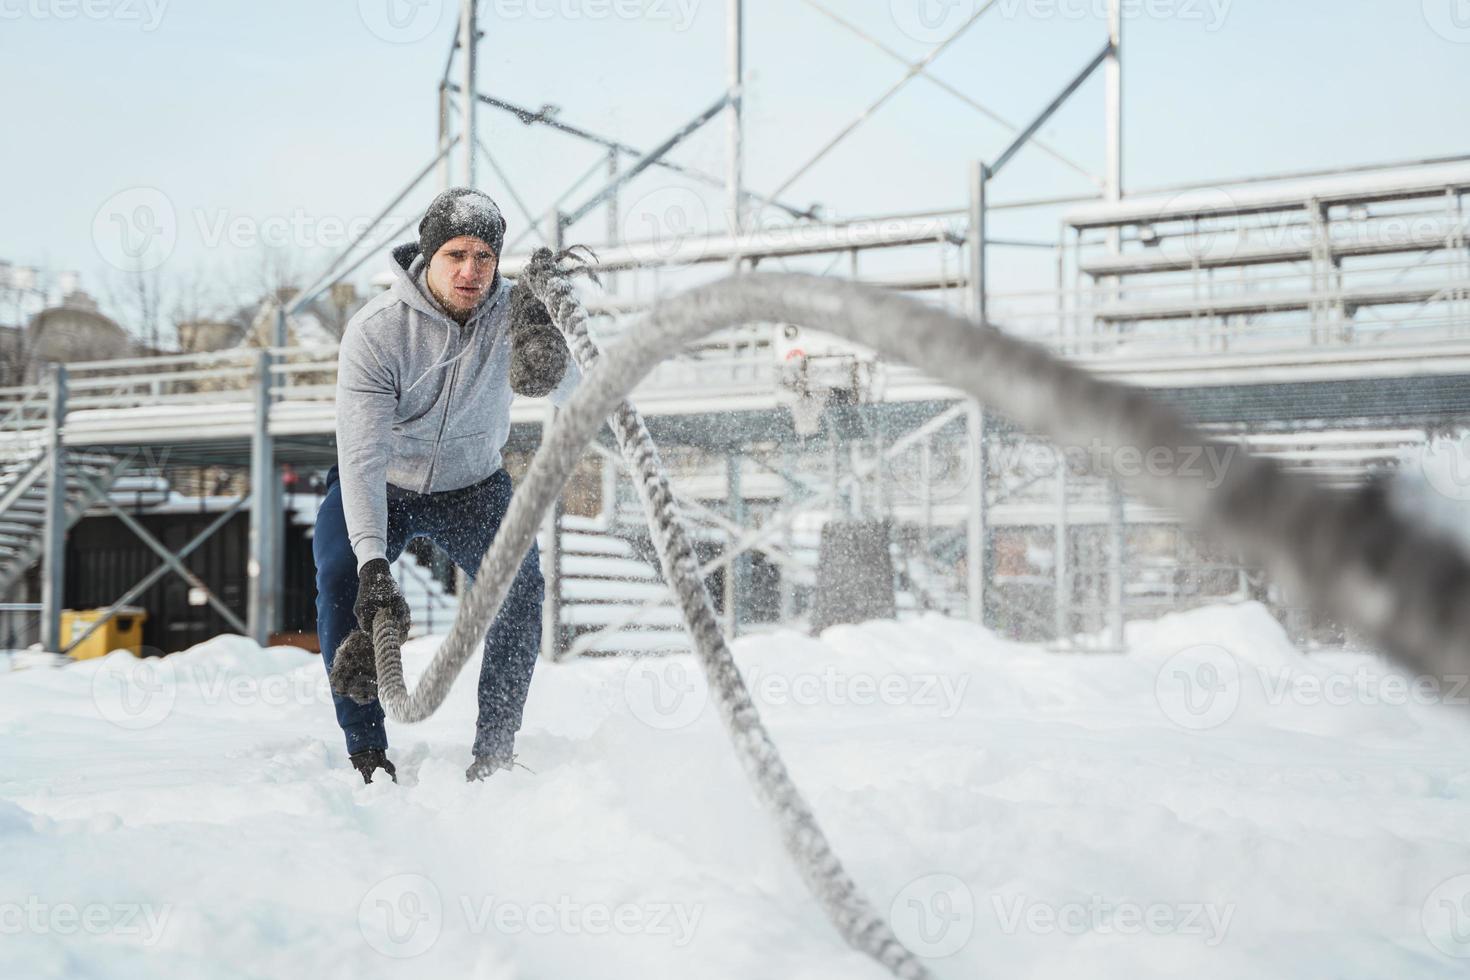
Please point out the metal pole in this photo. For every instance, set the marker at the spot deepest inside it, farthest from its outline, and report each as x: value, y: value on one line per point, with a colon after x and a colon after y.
x: 1116, y: 564
x: 444, y: 173
x: 614, y: 233
x: 737, y: 573
x: 979, y: 178
x: 468, y: 39
x: 53, y: 578
x: 264, y: 583
x: 1063, y: 586
x: 975, y: 416
x: 735, y: 38
x: 975, y: 539
x: 1113, y: 83
x: 1114, y: 101
x: 551, y: 556
x: 279, y: 338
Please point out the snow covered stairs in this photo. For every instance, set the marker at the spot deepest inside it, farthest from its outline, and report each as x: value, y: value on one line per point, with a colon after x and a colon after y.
x: 24, y: 481
x: 612, y: 600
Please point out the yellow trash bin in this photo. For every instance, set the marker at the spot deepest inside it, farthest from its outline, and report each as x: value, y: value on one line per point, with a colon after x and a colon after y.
x: 123, y: 631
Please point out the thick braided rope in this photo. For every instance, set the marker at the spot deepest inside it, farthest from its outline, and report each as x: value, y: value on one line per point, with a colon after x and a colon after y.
x: 855, y: 918
x: 1349, y: 555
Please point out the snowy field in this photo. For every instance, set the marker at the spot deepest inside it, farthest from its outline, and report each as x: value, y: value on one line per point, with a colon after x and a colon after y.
x: 1213, y: 805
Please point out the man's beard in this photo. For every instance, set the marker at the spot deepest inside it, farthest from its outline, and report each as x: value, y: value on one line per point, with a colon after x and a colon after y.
x: 456, y: 314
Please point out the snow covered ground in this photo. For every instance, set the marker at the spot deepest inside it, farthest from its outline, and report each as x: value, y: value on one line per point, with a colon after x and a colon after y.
x: 1213, y: 805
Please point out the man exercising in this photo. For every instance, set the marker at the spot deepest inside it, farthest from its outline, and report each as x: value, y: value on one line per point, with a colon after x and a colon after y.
x: 425, y: 377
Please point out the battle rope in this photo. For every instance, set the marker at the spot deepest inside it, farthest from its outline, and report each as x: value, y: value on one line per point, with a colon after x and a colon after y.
x: 1349, y: 555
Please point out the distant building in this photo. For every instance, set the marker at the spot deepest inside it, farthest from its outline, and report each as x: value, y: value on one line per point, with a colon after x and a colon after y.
x: 75, y: 331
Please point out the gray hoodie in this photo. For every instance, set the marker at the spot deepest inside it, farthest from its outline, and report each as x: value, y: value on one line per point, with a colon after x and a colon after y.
x: 422, y: 403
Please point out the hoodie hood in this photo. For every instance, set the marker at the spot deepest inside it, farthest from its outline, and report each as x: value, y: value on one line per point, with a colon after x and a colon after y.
x: 409, y: 285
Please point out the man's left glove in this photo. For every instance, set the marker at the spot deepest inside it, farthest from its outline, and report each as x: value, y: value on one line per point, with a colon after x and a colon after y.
x: 376, y: 590
x: 354, y: 672
x: 538, y: 351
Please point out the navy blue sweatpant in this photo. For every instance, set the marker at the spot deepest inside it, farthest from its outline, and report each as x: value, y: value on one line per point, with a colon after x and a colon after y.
x: 463, y: 523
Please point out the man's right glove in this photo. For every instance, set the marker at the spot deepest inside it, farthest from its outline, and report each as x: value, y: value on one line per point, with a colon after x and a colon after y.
x: 376, y: 590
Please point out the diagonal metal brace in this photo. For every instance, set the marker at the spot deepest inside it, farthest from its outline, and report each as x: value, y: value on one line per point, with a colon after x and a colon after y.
x: 650, y: 158
x: 171, y: 561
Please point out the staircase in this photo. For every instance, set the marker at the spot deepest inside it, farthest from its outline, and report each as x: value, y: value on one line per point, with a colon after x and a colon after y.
x: 613, y: 601
x: 25, y: 477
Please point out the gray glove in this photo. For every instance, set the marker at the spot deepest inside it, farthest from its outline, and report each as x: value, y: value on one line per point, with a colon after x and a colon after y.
x: 355, y: 670
x: 376, y: 590
x: 538, y: 351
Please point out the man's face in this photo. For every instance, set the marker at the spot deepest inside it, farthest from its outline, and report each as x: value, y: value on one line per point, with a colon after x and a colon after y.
x: 460, y: 273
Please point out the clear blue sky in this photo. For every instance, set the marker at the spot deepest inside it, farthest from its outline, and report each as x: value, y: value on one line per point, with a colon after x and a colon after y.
x: 250, y: 111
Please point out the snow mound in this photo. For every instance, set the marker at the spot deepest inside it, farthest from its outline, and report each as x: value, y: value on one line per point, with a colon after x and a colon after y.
x: 1014, y: 813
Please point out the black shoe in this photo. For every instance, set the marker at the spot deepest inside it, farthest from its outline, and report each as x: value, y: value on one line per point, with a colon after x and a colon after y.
x: 369, y: 761
x: 486, y: 766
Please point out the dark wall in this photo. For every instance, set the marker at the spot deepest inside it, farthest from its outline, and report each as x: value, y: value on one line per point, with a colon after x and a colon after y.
x: 104, y: 559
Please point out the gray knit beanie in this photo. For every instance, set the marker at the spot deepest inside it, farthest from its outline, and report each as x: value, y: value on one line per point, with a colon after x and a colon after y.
x: 461, y: 211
